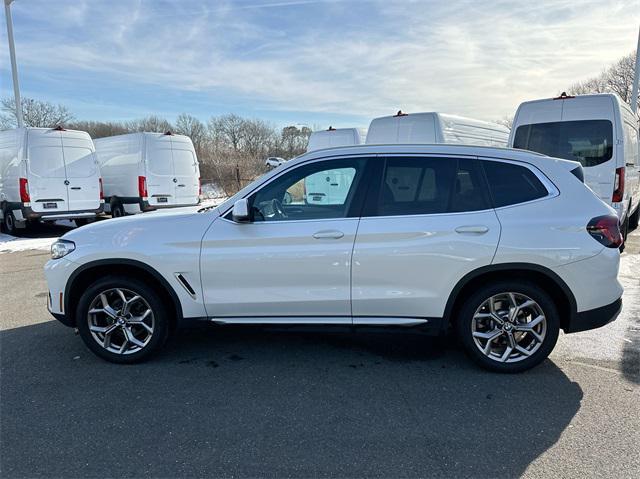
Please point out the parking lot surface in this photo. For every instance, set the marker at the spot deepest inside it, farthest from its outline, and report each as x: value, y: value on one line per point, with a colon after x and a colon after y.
x: 240, y: 402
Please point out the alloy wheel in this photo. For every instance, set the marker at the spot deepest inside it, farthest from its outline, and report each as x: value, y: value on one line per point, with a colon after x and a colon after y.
x: 509, y: 327
x: 121, y: 321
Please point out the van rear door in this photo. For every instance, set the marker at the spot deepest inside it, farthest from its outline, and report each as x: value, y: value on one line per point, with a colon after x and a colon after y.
x: 82, y: 172
x: 186, y: 175
x: 161, y: 186
x: 46, y: 172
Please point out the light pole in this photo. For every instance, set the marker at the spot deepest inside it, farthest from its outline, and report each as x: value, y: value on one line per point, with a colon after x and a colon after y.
x: 634, y: 89
x: 14, y: 65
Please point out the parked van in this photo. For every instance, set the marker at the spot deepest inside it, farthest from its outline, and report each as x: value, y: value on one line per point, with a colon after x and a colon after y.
x: 336, y: 137
x: 48, y: 174
x: 147, y: 171
x: 433, y: 127
x: 600, y: 131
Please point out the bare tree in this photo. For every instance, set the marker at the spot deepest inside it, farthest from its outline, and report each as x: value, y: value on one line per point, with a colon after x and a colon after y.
x: 193, y: 128
x: 506, y: 121
x: 36, y: 113
x: 618, y: 78
x: 150, y: 123
x: 99, y: 129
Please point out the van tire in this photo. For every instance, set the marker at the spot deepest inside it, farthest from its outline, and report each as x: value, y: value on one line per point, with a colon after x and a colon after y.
x: 633, y: 219
x: 117, y: 210
x: 134, y: 287
x: 474, y: 308
x: 9, y: 222
x: 81, y: 222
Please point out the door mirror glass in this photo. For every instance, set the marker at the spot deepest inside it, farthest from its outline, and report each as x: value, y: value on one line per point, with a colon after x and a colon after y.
x: 240, y: 213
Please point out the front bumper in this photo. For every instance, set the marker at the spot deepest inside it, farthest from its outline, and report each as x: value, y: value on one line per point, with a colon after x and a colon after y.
x: 594, y: 318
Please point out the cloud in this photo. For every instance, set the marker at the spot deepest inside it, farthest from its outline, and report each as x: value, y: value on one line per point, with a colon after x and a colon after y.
x: 332, y: 57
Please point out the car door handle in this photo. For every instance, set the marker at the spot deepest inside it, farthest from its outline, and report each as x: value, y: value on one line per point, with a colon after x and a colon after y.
x: 181, y: 186
x: 472, y: 229
x: 328, y: 234
x: 76, y: 188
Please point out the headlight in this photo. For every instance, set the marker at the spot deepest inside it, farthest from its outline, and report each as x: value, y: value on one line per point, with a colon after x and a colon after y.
x: 62, y: 248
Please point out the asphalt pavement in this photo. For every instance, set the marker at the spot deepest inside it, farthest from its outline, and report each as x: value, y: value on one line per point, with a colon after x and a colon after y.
x: 248, y: 402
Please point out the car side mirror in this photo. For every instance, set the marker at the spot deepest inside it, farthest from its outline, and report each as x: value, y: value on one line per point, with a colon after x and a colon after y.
x: 240, y: 212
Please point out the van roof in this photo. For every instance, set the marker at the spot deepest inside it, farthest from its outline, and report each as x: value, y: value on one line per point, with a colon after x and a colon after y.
x: 613, y: 96
x: 173, y: 136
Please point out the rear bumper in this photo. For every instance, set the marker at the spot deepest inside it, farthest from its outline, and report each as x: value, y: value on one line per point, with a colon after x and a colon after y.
x: 594, y: 318
x: 29, y: 214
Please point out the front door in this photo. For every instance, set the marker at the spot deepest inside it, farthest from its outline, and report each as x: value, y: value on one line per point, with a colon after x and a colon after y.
x: 427, y: 222
x: 292, y: 262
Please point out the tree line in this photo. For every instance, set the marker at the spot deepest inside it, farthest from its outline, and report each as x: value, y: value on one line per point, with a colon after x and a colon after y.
x: 231, y: 149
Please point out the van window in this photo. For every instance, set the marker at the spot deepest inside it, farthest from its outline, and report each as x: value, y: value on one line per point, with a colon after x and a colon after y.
x: 80, y: 162
x: 512, y: 184
x: 47, y: 161
x: 588, y: 141
x: 159, y: 162
x: 184, y: 163
x: 420, y: 186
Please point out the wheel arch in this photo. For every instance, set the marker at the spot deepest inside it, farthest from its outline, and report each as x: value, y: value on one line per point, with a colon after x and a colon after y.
x: 553, y: 284
x: 89, y: 272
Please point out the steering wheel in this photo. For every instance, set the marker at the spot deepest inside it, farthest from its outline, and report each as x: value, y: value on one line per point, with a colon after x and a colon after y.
x: 278, y: 210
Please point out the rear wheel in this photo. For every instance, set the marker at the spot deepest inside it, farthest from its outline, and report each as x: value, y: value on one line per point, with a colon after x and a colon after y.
x: 117, y: 209
x: 508, y: 326
x: 633, y: 219
x: 9, y: 222
x: 122, y: 320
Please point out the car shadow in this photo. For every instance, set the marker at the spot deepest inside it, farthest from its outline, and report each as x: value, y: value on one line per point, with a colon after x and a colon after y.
x: 264, y: 402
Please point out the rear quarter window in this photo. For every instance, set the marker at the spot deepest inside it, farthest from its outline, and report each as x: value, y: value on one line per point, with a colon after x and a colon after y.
x: 512, y: 184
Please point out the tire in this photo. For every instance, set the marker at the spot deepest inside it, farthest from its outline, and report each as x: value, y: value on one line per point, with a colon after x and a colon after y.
x: 633, y: 219
x: 475, y: 326
x: 625, y: 232
x: 80, y: 222
x: 117, y: 210
x: 119, y: 347
x: 9, y: 223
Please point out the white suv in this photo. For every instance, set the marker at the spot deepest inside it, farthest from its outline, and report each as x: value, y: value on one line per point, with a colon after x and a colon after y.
x: 507, y: 246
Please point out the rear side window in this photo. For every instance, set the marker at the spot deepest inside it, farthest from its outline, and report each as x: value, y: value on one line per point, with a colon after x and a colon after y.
x: 512, y: 184
x: 588, y: 141
x: 420, y: 186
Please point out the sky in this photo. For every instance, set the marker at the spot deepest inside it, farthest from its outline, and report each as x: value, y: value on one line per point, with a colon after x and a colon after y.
x: 309, y: 62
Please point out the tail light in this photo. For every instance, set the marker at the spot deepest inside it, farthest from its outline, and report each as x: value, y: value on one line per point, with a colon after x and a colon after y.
x: 618, y: 186
x: 142, y: 187
x: 101, y: 189
x: 606, y: 230
x: 24, y: 191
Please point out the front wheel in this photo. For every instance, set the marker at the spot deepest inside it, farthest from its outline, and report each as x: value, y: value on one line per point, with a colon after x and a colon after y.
x: 508, y: 326
x: 122, y: 320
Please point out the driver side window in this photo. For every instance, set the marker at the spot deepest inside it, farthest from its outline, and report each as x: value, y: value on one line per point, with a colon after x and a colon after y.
x: 320, y: 190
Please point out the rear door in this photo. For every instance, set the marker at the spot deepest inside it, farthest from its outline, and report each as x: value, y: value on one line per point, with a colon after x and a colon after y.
x: 159, y: 170
x: 46, y: 172
x: 186, y: 174
x: 427, y: 222
x: 83, y: 184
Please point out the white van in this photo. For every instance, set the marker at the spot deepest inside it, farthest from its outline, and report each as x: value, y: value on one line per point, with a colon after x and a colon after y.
x: 334, y: 137
x: 48, y: 174
x: 434, y: 127
x: 147, y: 171
x: 600, y: 131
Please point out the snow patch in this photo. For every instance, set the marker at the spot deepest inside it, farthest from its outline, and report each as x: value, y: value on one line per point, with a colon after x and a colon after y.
x: 11, y: 244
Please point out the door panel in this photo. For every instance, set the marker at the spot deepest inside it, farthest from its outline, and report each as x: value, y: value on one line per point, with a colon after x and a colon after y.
x: 82, y: 176
x: 294, y: 258
x: 47, y: 174
x: 406, y: 266
x: 278, y: 268
x: 428, y: 222
x: 160, y: 184
x: 186, y: 174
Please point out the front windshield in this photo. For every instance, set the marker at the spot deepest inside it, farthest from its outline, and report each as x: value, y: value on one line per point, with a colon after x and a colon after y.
x: 588, y: 141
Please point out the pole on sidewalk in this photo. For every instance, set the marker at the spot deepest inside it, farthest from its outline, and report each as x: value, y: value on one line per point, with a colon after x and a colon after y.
x: 14, y: 65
